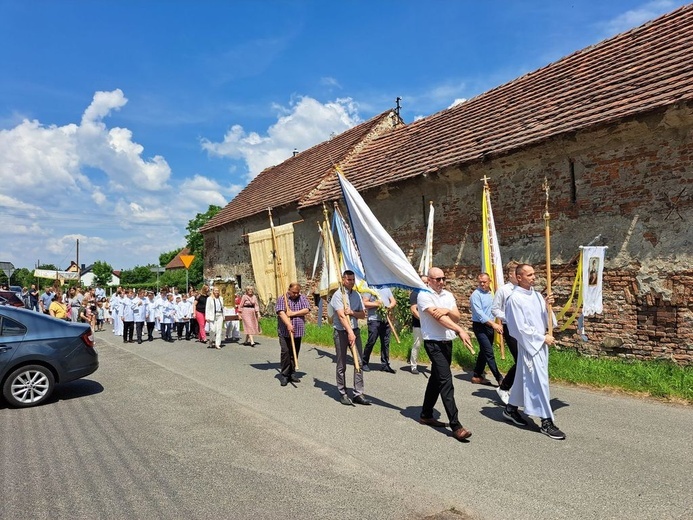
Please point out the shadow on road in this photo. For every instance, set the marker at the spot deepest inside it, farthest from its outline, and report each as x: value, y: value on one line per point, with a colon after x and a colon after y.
x: 325, y: 353
x: 76, y: 389
x: 67, y: 391
x: 268, y: 365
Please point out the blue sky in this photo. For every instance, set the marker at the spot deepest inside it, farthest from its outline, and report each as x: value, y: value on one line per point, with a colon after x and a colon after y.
x: 119, y: 121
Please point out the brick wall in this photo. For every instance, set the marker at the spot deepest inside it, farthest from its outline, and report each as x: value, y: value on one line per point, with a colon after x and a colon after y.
x: 631, y: 184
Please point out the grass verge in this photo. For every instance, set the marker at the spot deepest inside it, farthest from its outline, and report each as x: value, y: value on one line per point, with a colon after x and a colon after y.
x: 659, y: 379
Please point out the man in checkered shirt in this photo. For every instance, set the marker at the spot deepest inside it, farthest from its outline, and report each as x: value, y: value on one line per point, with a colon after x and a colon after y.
x: 291, y: 322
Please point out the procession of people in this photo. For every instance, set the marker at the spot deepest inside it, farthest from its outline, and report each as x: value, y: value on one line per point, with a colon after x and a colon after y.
x: 517, y: 312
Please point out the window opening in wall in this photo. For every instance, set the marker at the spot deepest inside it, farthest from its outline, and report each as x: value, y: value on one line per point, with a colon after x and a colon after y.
x: 573, y: 187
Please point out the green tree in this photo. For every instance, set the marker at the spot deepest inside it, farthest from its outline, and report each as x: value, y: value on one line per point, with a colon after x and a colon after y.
x: 23, y: 277
x: 173, y: 278
x: 195, y: 240
x: 102, y: 273
x: 165, y: 258
x: 138, y: 275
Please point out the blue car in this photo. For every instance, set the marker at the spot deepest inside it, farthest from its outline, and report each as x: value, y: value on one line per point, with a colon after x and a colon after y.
x: 38, y: 351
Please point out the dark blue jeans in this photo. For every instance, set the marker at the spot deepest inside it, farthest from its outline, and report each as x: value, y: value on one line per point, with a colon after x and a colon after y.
x: 378, y: 329
x: 440, y: 382
x: 484, y: 335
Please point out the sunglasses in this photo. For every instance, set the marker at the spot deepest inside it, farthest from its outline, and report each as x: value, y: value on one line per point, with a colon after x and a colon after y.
x: 441, y: 279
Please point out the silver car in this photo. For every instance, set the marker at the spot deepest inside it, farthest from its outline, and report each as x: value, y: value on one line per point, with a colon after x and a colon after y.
x: 38, y: 351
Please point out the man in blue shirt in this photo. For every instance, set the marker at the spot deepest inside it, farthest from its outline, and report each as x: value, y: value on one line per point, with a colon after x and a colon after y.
x: 46, y: 299
x: 484, y: 327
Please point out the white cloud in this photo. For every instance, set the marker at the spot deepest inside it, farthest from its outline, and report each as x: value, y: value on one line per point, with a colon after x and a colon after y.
x: 303, y: 124
x: 636, y: 17
x: 457, y: 102
x: 92, y: 182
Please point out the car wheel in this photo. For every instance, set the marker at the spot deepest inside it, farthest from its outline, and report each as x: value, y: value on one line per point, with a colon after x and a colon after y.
x: 28, y: 386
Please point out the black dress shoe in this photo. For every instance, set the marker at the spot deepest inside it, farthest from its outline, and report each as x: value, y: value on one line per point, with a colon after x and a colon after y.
x: 283, y: 380
x: 365, y: 367
x: 294, y: 379
x: 388, y: 369
x: 359, y: 399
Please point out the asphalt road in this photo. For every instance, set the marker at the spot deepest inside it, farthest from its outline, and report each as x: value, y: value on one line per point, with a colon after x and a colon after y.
x: 182, y: 431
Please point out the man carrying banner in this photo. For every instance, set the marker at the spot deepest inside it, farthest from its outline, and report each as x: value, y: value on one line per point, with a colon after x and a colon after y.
x: 484, y: 327
x: 528, y: 319
x: 348, y: 308
x: 498, y: 311
x: 377, y: 307
x: 439, y: 315
x: 291, y: 323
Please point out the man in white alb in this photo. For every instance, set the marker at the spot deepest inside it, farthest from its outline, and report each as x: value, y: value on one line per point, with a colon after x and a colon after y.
x: 528, y: 319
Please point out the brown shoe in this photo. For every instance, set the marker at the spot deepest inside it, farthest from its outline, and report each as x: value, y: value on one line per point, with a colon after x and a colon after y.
x: 432, y: 422
x: 479, y: 380
x: 461, y: 434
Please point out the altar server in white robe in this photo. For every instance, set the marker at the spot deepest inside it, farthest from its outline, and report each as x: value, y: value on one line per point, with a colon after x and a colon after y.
x: 214, y: 315
x: 528, y: 318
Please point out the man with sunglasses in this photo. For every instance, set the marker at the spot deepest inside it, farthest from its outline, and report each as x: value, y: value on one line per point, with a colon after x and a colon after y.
x: 439, y: 317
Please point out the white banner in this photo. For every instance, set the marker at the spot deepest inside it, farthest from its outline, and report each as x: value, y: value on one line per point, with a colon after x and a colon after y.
x: 56, y: 275
x: 384, y: 262
x: 592, y: 270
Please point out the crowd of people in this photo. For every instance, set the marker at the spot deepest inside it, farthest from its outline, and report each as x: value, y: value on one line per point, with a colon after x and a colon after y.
x: 138, y: 315
x: 516, y: 312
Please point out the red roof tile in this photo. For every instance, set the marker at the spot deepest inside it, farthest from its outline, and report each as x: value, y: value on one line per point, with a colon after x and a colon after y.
x: 293, y: 179
x: 646, y: 68
x: 176, y: 262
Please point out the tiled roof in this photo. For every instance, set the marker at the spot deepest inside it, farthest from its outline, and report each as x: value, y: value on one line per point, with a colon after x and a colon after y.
x: 176, y: 262
x: 293, y: 179
x: 643, y: 69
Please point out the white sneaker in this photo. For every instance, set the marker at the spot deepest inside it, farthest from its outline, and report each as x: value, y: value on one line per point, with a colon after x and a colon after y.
x: 503, y: 394
x: 414, y: 370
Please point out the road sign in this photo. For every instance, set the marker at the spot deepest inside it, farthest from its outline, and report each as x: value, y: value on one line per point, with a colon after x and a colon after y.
x: 187, y: 260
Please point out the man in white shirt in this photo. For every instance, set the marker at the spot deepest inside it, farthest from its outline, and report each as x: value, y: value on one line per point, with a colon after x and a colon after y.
x: 150, y: 314
x: 528, y: 321
x: 138, y: 309
x: 439, y: 317
x: 184, y: 309
x: 214, y: 315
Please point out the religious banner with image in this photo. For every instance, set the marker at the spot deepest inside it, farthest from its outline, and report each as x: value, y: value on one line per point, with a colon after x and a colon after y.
x: 592, y: 271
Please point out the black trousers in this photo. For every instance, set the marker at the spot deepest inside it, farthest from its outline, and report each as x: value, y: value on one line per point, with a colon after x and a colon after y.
x: 150, y: 330
x: 286, y: 356
x: 139, y: 325
x: 511, y: 343
x: 378, y: 329
x: 440, y: 382
x: 128, y: 330
x: 484, y: 335
x: 183, y: 325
